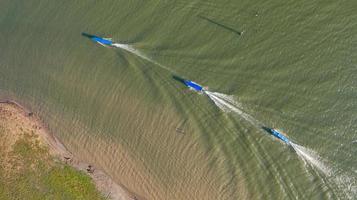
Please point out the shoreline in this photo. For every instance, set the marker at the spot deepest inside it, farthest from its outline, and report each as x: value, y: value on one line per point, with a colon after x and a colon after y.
x: 102, y: 181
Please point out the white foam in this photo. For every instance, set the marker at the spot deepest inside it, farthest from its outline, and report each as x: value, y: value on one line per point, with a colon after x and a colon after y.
x: 311, y: 158
x: 347, y: 184
x: 227, y: 104
x: 133, y: 50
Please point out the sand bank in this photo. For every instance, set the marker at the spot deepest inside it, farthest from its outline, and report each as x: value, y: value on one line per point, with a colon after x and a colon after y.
x: 29, y: 121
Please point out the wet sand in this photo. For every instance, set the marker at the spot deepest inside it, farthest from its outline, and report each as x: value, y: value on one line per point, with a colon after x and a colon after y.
x: 17, y: 114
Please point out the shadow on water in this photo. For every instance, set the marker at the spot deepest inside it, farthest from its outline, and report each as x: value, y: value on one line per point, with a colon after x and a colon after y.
x: 179, y: 79
x: 88, y: 35
x: 220, y: 25
x: 267, y: 129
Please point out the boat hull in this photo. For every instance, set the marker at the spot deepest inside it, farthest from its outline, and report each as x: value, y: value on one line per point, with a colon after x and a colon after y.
x: 193, y: 85
x: 277, y: 134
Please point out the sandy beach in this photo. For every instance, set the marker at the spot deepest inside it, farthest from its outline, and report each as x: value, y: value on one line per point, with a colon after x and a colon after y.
x: 17, y: 116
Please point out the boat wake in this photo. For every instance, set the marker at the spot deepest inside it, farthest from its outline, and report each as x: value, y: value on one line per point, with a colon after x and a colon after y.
x: 227, y: 104
x: 311, y: 158
x: 136, y: 52
x: 346, y: 183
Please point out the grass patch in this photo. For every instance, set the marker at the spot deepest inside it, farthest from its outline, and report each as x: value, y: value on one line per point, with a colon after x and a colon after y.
x: 31, y: 174
x: 67, y: 183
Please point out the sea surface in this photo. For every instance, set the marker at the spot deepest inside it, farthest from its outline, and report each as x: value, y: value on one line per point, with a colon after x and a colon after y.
x: 290, y: 65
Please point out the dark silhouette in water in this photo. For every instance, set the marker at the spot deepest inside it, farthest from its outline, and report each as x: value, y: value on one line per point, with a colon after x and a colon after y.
x: 87, y: 35
x: 267, y: 129
x: 221, y: 25
x: 179, y: 79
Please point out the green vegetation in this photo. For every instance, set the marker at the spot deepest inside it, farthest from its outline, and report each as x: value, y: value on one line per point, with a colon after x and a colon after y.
x: 27, y: 171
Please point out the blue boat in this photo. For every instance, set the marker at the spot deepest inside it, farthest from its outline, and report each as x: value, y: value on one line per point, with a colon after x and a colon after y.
x: 277, y: 134
x: 193, y: 85
x: 102, y: 41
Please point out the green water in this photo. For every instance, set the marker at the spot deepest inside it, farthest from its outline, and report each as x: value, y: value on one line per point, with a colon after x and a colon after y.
x: 294, y: 68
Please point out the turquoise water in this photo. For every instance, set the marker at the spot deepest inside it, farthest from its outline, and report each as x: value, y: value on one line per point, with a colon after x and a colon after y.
x: 293, y: 68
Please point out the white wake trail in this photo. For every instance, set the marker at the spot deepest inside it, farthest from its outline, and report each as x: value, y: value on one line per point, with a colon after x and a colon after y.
x: 132, y: 50
x: 311, y: 158
x: 343, y: 182
x: 227, y: 104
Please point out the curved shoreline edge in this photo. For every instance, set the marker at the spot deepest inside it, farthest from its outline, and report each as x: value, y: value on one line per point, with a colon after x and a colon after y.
x: 109, y: 188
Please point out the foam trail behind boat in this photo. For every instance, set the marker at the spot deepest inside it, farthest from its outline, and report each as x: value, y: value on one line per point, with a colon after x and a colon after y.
x: 228, y: 104
x: 345, y: 183
x: 131, y: 49
x: 311, y: 158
